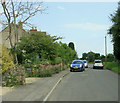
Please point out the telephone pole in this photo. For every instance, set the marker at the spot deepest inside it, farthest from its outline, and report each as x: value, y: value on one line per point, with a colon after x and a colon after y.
x: 105, y: 49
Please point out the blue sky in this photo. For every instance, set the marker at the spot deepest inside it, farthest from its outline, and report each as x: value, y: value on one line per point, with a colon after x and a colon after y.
x: 84, y: 23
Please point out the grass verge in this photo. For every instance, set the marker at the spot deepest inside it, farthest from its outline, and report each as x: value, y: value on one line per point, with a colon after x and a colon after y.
x: 114, y: 66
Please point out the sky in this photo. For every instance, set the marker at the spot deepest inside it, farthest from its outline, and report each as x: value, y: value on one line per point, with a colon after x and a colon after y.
x: 83, y: 23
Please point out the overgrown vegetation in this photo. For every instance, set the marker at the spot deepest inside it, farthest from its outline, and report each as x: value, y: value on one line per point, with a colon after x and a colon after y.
x: 38, y: 72
x: 40, y: 48
x: 114, y: 32
x: 91, y: 56
x: 114, y: 66
x: 7, y: 60
x: 11, y: 75
x: 14, y: 77
x: 40, y: 54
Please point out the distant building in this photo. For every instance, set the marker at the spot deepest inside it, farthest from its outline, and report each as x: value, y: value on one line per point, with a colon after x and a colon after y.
x: 34, y: 30
x: 4, y: 40
x: 5, y: 33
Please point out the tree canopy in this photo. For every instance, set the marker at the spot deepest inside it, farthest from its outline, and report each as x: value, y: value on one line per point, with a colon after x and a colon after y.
x: 114, y: 31
x: 71, y: 45
x: 44, y: 47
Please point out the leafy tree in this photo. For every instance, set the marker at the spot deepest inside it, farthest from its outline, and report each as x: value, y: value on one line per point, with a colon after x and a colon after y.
x: 66, y: 53
x: 43, y: 46
x: 71, y: 45
x: 110, y: 57
x: 97, y: 55
x: 102, y: 57
x: 84, y: 56
x: 14, y: 12
x: 91, y: 56
x: 114, y: 31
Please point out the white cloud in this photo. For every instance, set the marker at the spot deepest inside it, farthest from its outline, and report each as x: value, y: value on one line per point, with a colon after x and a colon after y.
x: 87, y: 26
x: 60, y: 7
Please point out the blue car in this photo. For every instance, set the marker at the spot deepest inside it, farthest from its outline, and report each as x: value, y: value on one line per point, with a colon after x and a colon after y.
x: 77, y: 65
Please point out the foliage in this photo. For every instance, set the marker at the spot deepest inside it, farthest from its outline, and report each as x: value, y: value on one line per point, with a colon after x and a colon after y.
x: 114, y: 31
x: 38, y: 72
x: 37, y: 45
x: 43, y: 49
x: 114, y: 66
x: 84, y: 56
x: 102, y: 57
x: 7, y: 60
x: 97, y: 55
x: 14, y: 77
x: 110, y: 57
x: 58, y: 60
x: 66, y: 53
x: 71, y: 45
x: 91, y: 56
x: 45, y: 62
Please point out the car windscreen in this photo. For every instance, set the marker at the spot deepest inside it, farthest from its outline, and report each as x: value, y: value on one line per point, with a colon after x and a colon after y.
x: 77, y: 62
x: 98, y: 61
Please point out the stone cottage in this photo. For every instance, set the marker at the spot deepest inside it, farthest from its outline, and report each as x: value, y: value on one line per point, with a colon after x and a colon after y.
x: 4, y: 40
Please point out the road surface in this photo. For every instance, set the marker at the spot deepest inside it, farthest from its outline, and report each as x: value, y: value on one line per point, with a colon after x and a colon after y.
x: 89, y: 85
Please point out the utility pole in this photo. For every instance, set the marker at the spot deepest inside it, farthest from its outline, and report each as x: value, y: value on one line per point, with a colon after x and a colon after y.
x: 105, y: 49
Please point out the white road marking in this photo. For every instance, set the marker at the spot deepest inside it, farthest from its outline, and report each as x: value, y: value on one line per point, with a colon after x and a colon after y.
x: 45, y: 99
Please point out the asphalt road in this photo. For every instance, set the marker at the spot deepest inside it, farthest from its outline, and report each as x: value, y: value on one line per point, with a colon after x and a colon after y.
x: 89, y: 85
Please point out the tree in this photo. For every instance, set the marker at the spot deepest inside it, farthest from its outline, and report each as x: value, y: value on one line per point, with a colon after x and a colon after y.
x: 71, y: 45
x: 110, y: 57
x: 91, y: 56
x: 97, y: 55
x: 66, y: 53
x: 37, y: 45
x: 114, y: 32
x: 102, y: 57
x: 14, y: 12
x: 84, y: 56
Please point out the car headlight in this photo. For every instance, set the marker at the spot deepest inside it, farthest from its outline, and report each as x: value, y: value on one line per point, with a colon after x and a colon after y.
x: 71, y: 65
x: 80, y: 65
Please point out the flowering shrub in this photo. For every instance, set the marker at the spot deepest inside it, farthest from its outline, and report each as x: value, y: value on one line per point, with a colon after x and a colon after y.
x: 14, y: 77
x: 7, y: 59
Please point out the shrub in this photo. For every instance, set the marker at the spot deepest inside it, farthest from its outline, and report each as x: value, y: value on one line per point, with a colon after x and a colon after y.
x: 14, y: 77
x: 55, y: 70
x: 45, y: 62
x: 45, y: 73
x: 58, y: 60
x: 39, y: 73
x: 7, y: 60
x: 63, y: 68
